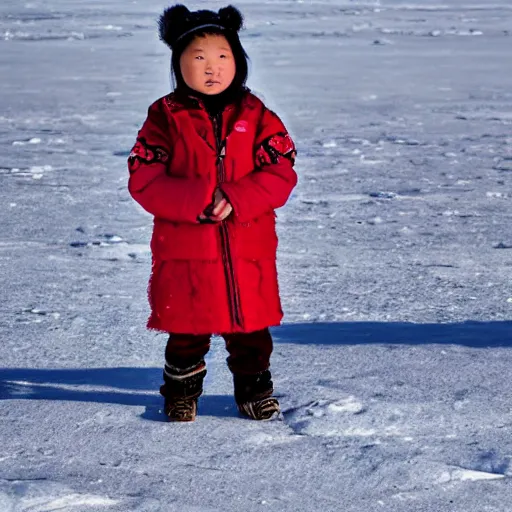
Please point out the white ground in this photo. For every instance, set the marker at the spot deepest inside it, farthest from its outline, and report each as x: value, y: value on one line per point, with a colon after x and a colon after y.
x: 393, y: 365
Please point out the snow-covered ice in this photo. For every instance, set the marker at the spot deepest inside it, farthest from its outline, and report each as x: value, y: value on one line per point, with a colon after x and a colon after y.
x: 392, y: 366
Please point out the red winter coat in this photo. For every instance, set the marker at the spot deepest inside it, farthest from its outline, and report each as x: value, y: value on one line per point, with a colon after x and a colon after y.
x: 212, y: 278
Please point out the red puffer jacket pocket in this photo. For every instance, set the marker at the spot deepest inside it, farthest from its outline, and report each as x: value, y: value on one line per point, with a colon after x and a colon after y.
x: 256, y: 239
x: 180, y: 241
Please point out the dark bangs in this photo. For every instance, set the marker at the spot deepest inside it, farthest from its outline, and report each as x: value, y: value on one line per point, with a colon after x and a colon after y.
x: 239, y: 54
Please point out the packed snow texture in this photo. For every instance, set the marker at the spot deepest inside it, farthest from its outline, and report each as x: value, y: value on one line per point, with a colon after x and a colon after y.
x: 393, y: 364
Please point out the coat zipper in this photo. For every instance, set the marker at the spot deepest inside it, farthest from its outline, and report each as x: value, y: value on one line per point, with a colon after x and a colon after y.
x: 233, y: 295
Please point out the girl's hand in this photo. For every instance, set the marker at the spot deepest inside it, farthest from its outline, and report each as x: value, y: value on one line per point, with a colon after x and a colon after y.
x: 224, y: 213
x: 221, y: 209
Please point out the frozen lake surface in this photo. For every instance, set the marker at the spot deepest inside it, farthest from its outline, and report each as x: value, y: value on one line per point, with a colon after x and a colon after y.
x: 393, y: 364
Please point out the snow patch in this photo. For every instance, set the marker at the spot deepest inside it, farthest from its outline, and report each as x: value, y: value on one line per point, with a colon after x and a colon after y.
x: 497, y: 195
x: 17, y: 35
x: 112, y: 27
x: 467, y: 475
x: 349, y: 405
x: 46, y: 496
x: 359, y: 432
x: 328, y: 418
x: 72, y: 500
x: 265, y: 438
x: 33, y: 140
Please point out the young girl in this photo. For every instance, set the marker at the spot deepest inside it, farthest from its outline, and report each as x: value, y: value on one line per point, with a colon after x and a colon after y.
x: 211, y: 164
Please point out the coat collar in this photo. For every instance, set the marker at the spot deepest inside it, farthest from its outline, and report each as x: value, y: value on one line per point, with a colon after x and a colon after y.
x: 177, y: 102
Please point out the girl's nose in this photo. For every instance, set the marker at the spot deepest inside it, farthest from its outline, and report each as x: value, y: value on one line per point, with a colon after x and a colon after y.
x: 211, y: 69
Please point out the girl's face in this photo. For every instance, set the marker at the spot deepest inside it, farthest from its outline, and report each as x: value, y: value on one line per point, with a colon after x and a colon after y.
x: 207, y: 64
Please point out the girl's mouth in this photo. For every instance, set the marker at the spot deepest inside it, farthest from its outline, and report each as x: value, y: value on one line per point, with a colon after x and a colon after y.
x: 209, y: 83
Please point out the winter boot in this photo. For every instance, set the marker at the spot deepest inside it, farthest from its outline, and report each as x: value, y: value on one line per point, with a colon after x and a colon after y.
x: 181, y: 390
x: 253, y: 395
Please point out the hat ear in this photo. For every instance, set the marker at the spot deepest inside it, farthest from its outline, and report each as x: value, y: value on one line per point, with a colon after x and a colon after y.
x: 171, y: 23
x: 231, y: 18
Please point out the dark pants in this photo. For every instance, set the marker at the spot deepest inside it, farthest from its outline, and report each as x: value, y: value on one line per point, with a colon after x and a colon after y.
x: 249, y: 353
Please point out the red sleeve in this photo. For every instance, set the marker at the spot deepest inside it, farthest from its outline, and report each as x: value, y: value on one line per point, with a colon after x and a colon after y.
x: 167, y: 197
x: 270, y: 184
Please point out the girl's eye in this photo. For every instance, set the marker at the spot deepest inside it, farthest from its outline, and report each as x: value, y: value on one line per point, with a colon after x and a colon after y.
x: 223, y: 56
x: 199, y: 57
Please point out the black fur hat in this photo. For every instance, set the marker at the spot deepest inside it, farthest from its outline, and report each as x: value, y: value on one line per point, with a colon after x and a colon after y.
x: 177, y: 22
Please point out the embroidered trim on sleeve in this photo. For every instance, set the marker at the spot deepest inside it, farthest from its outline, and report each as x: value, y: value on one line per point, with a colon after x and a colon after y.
x: 145, y: 154
x: 275, y: 147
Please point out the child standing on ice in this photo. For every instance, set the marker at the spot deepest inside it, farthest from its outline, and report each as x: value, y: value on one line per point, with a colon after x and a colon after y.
x: 211, y: 164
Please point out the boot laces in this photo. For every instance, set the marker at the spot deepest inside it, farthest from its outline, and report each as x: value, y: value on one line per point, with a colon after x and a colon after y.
x: 181, y: 409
